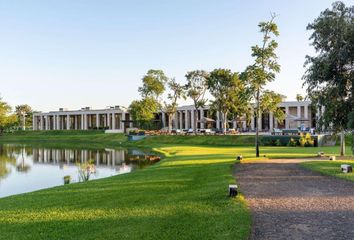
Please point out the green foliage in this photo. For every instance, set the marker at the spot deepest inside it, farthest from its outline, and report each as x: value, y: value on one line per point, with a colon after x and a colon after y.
x: 196, y: 88
x: 299, y: 97
x: 263, y: 70
x: 143, y: 111
x: 24, y: 114
x: 153, y: 84
x: 7, y: 120
x: 177, y: 91
x: 292, y: 142
x: 230, y: 94
x: 330, y: 74
x: 269, y: 102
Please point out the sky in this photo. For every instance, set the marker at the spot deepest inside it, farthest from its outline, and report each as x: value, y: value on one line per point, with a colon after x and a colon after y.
x: 77, y: 53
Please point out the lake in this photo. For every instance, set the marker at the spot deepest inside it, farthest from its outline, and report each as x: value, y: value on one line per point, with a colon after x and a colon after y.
x: 25, y: 169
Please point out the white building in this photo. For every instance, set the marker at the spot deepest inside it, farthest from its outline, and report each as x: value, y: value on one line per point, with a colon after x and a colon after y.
x: 117, y: 119
x: 296, y: 114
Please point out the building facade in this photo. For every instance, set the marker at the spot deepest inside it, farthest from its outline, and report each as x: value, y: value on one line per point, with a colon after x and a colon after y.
x: 117, y: 119
x: 296, y: 114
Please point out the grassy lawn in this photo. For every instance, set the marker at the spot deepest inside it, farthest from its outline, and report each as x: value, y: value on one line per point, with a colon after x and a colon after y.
x: 182, y: 197
x: 331, y: 168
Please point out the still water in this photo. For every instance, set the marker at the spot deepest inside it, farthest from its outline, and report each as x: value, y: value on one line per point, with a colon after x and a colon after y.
x: 25, y: 168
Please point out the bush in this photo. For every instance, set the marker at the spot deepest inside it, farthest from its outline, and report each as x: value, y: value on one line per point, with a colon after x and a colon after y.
x: 292, y: 142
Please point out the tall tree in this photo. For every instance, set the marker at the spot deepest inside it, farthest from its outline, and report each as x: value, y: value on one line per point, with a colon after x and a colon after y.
x: 154, y: 84
x: 264, y: 68
x: 329, y: 75
x: 196, y: 89
x: 177, y: 91
x: 23, y: 111
x: 228, y: 91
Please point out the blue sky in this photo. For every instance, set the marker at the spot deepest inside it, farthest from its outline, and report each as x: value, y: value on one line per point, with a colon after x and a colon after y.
x: 93, y: 53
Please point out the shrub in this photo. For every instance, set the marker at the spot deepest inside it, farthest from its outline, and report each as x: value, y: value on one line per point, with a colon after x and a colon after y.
x: 292, y: 142
x: 278, y: 143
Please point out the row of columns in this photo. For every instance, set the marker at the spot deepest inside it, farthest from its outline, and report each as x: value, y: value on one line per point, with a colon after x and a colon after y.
x: 187, y: 121
x: 78, y: 121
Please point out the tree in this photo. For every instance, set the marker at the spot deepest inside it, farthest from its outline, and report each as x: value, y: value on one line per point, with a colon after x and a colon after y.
x: 170, y: 108
x: 329, y: 75
x: 299, y: 97
x: 196, y: 89
x: 143, y: 111
x: 229, y: 92
x: 23, y: 111
x: 154, y: 83
x: 7, y: 120
x: 269, y: 102
x: 264, y: 68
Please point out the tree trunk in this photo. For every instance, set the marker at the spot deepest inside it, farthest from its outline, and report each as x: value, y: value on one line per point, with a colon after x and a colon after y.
x: 224, y: 121
x: 256, y: 124
x: 195, y: 120
x: 342, y: 143
x: 169, y: 123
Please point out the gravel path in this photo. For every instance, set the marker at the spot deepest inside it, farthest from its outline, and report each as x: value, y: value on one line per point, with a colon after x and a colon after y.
x: 289, y: 202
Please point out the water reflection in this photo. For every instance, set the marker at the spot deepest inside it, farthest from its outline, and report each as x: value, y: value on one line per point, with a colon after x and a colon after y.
x: 24, y: 168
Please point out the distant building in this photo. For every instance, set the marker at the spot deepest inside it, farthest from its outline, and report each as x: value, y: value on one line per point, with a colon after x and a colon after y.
x: 117, y: 119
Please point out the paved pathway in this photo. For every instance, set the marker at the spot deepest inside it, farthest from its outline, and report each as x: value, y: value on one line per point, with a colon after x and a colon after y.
x: 289, y: 202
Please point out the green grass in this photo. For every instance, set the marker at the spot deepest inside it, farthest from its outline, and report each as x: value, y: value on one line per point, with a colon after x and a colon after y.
x: 182, y: 197
x: 65, y: 139
x: 331, y: 168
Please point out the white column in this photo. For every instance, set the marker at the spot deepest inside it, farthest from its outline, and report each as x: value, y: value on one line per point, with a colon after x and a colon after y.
x: 108, y: 119
x: 306, y: 115
x: 234, y: 124
x: 286, y: 117
x: 180, y: 120
x: 175, y: 126
x: 113, y: 121
x: 58, y: 122
x: 34, y: 123
x: 271, y: 120
x: 306, y: 111
x: 68, y: 122
x: 122, y: 123
x: 97, y: 120
x: 76, y: 122
x: 82, y: 122
x: 244, y: 125
x: 218, y: 120
x: 53, y: 122
x: 186, y: 118
x: 201, y: 119
x: 163, y: 118
x: 131, y: 121
x: 47, y: 122
x: 298, y: 115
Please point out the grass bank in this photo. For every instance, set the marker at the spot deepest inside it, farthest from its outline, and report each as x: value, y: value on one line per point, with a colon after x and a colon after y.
x: 182, y: 197
x: 331, y: 168
x: 65, y: 139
